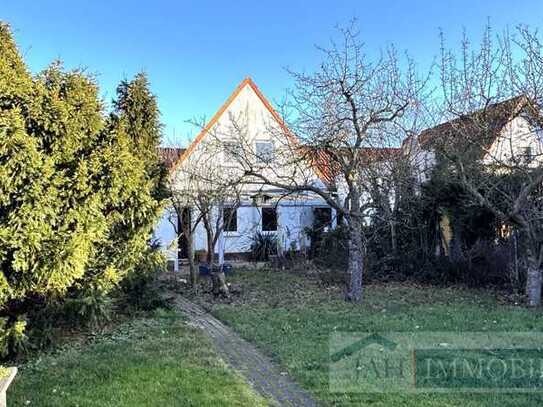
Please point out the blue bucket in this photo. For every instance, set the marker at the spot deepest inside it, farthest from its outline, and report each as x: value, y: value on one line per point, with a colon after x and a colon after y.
x: 204, y: 270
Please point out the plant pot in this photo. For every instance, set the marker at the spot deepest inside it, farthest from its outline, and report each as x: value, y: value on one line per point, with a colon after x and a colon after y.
x: 204, y: 270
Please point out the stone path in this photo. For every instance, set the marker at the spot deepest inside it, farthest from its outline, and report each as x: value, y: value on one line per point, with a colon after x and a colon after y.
x: 258, y: 370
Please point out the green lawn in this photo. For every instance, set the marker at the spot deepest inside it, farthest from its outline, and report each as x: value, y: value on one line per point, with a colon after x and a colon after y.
x: 153, y: 361
x: 291, y: 318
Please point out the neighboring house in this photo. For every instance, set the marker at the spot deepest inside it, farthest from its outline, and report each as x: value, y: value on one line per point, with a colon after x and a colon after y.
x: 260, y: 208
x: 502, y: 133
x: 501, y: 136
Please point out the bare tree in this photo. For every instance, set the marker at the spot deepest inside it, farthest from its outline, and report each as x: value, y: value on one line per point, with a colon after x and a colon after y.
x: 203, y: 188
x: 348, y: 117
x: 180, y: 218
x: 179, y: 212
x: 491, y: 96
x: 389, y: 182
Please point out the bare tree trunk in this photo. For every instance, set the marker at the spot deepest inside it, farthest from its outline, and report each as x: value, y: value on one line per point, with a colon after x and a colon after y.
x: 188, y: 233
x: 218, y: 279
x: 193, y: 276
x: 356, y: 266
x: 222, y: 288
x: 533, y: 281
x: 210, y: 248
x: 219, y: 284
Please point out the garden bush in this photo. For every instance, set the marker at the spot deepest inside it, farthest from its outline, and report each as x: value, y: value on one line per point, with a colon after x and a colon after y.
x: 140, y: 290
x: 80, y: 189
x: 262, y: 246
x: 329, y: 252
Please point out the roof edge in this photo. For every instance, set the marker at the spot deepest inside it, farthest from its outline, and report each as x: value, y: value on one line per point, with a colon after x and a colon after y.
x: 248, y: 81
x: 211, y: 123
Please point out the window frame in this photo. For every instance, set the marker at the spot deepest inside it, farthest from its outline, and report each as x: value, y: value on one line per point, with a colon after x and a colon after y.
x: 229, y: 153
x: 275, y: 222
x: 261, y: 158
x: 232, y: 219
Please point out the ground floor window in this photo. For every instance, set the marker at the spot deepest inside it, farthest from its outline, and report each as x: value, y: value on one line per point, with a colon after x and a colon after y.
x: 230, y: 219
x: 269, y: 219
x: 323, y: 218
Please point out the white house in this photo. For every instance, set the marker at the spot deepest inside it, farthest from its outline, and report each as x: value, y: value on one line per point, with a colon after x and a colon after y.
x: 246, y: 119
x: 248, y: 122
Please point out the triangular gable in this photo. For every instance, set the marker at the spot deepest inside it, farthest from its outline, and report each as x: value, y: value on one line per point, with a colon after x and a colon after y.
x: 246, y: 82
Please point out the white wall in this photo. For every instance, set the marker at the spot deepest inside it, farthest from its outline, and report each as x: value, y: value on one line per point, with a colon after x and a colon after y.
x: 292, y: 220
x: 515, y: 137
x: 165, y: 233
x: 248, y: 221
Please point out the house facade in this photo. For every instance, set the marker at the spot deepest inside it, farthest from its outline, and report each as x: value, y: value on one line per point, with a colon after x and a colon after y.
x: 248, y: 122
x: 245, y: 120
x: 505, y: 133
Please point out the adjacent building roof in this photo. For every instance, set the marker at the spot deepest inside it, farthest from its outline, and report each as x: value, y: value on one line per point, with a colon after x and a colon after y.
x: 327, y: 162
x: 481, y: 127
x: 484, y: 126
x: 170, y: 155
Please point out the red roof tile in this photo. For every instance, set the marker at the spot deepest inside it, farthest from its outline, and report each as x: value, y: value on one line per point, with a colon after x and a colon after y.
x: 170, y: 155
x: 479, y: 128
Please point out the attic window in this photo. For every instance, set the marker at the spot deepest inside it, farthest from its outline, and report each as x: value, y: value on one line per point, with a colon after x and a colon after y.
x: 264, y: 151
x: 231, y: 150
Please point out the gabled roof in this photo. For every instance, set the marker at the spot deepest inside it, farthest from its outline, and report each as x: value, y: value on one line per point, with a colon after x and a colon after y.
x: 278, y: 119
x: 482, y: 127
x: 246, y: 82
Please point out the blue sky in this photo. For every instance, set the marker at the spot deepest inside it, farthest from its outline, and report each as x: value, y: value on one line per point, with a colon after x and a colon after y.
x: 196, y: 52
